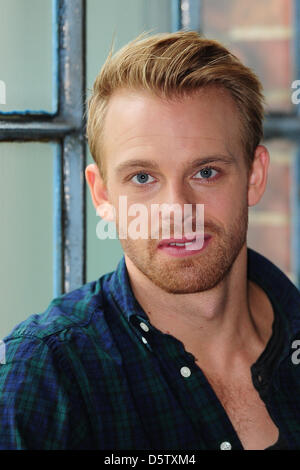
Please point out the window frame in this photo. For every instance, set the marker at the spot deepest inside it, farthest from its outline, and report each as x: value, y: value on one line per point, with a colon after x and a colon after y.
x: 66, y: 127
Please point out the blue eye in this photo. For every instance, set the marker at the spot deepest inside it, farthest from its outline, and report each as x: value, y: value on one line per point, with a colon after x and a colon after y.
x: 142, y: 178
x: 207, y: 173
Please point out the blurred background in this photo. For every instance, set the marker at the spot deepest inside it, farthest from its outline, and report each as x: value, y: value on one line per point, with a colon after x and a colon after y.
x: 51, y: 52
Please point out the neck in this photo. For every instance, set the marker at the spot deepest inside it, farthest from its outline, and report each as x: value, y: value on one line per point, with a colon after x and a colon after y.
x: 217, y: 326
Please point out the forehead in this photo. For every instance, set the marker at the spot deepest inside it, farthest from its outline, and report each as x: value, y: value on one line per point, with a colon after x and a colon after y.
x: 135, y: 119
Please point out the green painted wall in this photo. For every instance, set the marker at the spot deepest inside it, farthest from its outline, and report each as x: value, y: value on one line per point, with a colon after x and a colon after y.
x: 26, y: 54
x: 26, y: 231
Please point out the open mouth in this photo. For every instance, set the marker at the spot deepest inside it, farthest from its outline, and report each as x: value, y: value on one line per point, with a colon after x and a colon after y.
x: 184, y: 246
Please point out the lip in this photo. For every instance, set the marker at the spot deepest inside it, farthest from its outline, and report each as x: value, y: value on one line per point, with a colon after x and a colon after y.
x: 178, y: 251
x: 167, y: 241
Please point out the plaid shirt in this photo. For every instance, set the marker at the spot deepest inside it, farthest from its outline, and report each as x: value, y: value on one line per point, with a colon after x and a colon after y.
x: 91, y: 372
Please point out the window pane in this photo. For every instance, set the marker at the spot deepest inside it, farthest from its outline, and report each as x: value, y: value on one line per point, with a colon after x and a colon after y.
x: 26, y: 54
x: 260, y: 33
x: 26, y: 190
x: 271, y: 221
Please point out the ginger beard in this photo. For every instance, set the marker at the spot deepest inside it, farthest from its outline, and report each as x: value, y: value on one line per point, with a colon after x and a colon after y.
x: 193, y: 273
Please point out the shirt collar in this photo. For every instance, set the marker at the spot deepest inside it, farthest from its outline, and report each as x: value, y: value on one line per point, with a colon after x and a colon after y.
x: 120, y: 289
x: 284, y: 296
x: 282, y: 293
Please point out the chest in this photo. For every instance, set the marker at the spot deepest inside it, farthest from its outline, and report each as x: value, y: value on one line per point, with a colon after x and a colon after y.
x: 246, y: 411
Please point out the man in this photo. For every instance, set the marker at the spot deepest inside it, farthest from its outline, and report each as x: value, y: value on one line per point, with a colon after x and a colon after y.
x: 181, y: 347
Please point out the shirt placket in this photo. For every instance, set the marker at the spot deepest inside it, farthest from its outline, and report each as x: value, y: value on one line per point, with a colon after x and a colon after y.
x: 201, y: 406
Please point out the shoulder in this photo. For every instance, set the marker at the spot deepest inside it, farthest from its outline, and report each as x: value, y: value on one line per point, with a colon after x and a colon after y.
x: 63, y: 333
x: 73, y: 309
x: 271, y: 278
x: 281, y: 291
x: 43, y: 370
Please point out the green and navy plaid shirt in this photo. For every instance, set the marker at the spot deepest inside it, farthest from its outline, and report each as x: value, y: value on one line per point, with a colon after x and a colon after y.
x: 91, y: 372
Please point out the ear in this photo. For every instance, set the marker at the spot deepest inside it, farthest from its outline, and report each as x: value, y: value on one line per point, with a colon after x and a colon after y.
x: 99, y: 193
x: 257, y: 179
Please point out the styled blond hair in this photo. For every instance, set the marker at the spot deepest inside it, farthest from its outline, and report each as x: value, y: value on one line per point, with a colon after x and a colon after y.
x: 173, y: 65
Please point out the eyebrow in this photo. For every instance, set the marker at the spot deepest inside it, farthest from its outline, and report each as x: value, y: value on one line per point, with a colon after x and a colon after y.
x: 151, y: 164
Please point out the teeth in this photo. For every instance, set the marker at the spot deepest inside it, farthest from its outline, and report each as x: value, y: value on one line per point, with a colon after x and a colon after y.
x: 180, y: 244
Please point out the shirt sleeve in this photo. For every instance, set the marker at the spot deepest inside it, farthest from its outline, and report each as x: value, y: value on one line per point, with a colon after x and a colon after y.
x: 37, y: 407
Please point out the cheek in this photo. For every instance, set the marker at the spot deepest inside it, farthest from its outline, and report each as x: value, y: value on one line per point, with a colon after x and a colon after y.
x: 218, y: 206
x: 133, y: 220
x: 226, y: 206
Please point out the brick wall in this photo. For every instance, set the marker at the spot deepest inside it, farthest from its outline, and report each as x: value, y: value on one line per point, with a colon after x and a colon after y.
x: 259, y: 33
x: 270, y: 221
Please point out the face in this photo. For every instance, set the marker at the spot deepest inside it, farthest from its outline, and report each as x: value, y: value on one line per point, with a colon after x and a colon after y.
x: 189, y: 152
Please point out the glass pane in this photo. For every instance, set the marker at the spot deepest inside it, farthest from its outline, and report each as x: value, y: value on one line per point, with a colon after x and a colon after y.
x: 260, y: 34
x: 120, y: 21
x: 26, y: 55
x: 26, y: 172
x: 271, y: 221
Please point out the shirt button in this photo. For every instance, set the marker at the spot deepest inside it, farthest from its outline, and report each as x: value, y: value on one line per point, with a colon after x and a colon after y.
x: 185, y: 371
x: 144, y: 340
x: 144, y: 326
x: 225, y: 445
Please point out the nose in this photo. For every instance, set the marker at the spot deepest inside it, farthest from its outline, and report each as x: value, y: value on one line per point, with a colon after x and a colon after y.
x: 181, y: 209
x: 178, y: 193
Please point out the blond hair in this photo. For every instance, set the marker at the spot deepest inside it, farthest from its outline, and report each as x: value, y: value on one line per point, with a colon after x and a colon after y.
x: 173, y: 65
